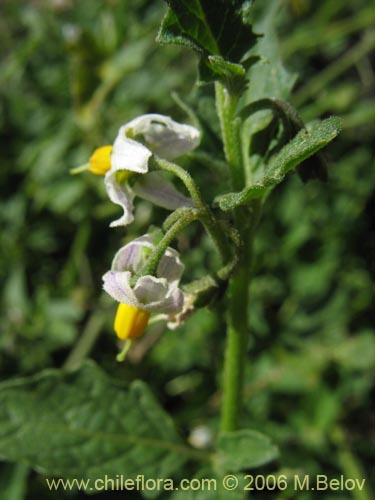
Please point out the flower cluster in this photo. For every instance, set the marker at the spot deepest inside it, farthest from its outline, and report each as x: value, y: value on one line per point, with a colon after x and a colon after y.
x: 125, y: 167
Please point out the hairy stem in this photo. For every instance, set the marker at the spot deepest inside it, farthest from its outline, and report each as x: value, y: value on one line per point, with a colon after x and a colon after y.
x: 235, y: 353
x: 238, y: 293
x: 238, y: 328
x: 205, y: 215
x: 186, y: 217
x: 226, y: 105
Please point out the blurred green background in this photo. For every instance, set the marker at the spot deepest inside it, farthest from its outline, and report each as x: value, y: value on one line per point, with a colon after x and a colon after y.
x: 71, y: 73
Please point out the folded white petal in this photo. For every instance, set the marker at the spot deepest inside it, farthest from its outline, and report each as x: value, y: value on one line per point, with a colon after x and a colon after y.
x: 170, y: 267
x: 150, y: 289
x: 132, y: 256
x: 128, y: 154
x: 164, y: 136
x: 172, y: 303
x: 117, y: 285
x: 120, y: 195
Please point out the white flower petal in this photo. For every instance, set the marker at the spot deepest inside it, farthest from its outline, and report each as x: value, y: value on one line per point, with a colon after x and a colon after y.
x: 155, y: 188
x: 120, y: 195
x: 150, y: 289
x: 170, y: 267
x: 117, y: 285
x: 171, y: 304
x: 164, y: 136
x: 132, y: 256
x: 128, y: 154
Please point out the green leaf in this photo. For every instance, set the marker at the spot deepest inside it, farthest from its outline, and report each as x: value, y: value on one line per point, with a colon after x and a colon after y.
x: 244, y: 449
x: 83, y: 424
x: 215, y: 29
x: 216, y: 65
x: 268, y: 79
x: 305, y: 144
x: 229, y: 201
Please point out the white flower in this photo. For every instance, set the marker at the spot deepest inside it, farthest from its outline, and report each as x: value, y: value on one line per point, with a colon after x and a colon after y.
x: 150, y: 294
x: 134, y: 145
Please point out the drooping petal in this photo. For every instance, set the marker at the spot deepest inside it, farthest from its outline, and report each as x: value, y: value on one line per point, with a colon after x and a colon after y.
x: 150, y: 289
x: 120, y: 195
x: 155, y: 188
x: 117, y: 285
x: 131, y: 257
x: 170, y: 267
x: 172, y: 303
x: 164, y: 136
x: 128, y: 154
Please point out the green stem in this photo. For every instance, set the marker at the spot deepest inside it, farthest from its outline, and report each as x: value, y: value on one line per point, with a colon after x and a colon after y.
x: 205, y: 215
x: 226, y: 271
x: 238, y: 293
x: 235, y: 353
x: 187, y: 216
x: 226, y: 104
x: 238, y: 330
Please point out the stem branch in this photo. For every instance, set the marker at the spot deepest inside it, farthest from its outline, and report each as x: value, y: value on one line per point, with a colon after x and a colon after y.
x: 205, y: 215
x: 186, y: 217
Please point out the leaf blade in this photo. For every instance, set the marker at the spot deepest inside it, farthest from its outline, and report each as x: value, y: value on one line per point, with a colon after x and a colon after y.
x: 216, y: 29
x: 244, y: 449
x: 304, y: 145
x: 58, y: 422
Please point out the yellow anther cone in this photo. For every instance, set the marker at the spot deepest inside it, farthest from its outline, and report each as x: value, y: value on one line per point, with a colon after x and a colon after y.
x: 130, y: 321
x: 100, y: 160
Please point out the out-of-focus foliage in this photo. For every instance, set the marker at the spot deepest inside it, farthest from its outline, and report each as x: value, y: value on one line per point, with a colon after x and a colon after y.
x: 71, y: 73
